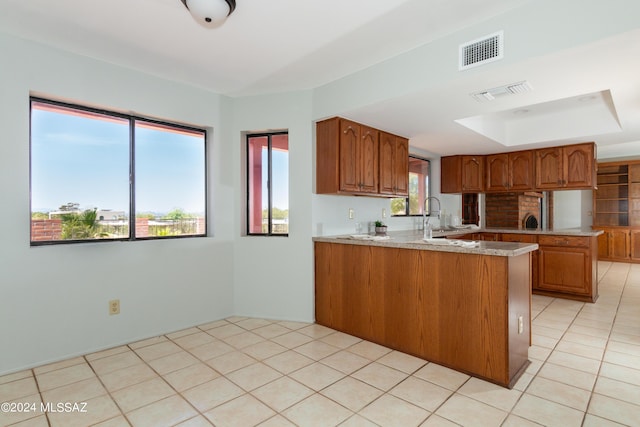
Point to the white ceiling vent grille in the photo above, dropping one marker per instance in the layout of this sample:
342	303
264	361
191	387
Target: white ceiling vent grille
482	51
497	92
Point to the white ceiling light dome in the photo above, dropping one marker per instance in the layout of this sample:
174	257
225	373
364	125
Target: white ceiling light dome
210	11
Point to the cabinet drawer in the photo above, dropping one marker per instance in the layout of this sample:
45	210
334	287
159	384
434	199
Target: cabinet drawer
582	242
522	238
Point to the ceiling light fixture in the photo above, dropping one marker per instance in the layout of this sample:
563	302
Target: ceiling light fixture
210	11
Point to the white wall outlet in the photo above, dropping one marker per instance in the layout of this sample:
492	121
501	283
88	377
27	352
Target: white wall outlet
114	306
384	212
520	324
351	213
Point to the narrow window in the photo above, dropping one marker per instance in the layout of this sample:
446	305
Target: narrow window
419	190
91	169
268	184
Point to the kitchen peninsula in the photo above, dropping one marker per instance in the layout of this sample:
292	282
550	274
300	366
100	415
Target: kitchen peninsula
465	306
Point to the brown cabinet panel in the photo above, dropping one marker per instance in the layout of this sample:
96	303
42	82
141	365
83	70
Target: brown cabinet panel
369	160
394	165
349	156
472	174
462	174
451	174
520	238
510	171
635	245
570	166
401	167
619	244
461	311
348	160
549	168
566	270
521	168
579	164
551	240
497	172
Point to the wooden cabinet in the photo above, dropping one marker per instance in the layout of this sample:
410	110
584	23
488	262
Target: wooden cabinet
567	266
555	168
567	167
509	171
526	238
355	159
462	174
635	245
614	244
358	158
394	165
474	317
616	207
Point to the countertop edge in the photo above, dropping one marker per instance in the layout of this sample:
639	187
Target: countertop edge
505	249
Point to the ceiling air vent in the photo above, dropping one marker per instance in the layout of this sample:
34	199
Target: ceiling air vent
497	92
482	51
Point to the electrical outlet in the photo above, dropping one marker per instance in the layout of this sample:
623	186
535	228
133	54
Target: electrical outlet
114	306
520	324
351	213
384	212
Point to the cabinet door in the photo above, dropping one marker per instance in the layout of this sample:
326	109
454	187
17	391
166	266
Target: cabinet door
472	174
635	245
603	245
619	244
521	170
549	169
368	160
497	172
401	166
349	156
564	269
579	166
387	160
451	174
394	165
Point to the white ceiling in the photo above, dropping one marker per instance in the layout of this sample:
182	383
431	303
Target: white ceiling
286	45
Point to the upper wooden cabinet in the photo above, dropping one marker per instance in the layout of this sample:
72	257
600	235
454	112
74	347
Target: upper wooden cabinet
394	165
462	174
556	168
346	158
571	166
509	171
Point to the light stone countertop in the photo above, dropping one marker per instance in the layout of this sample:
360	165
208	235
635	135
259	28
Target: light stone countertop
413	240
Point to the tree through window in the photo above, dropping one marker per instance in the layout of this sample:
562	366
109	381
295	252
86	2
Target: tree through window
90	169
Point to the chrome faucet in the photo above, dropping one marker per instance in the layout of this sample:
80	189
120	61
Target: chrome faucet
428	231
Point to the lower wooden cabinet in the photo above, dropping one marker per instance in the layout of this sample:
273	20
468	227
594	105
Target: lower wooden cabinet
635	245
469	312
619	244
564	266
567	265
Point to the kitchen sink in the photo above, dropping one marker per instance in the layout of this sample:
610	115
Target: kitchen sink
446	242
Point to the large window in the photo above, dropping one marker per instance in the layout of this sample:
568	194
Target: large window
419	190
268	184
91	169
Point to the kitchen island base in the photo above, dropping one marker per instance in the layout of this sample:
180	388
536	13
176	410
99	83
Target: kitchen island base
468	312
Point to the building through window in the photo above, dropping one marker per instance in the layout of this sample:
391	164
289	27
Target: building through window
91	169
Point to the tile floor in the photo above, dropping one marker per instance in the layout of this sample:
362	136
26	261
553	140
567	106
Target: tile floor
243	372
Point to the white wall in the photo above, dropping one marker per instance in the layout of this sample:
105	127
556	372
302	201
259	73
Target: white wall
274	275
53	301
572	209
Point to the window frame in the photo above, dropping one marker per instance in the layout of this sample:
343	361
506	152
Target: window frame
427	194
247	150
132	120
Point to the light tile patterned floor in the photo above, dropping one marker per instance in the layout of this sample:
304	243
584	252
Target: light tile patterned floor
244	372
